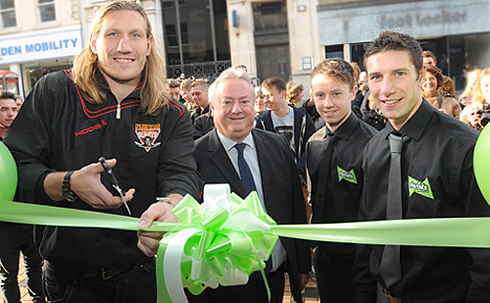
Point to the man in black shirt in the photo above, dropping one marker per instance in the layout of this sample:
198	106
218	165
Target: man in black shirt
333	163
437	181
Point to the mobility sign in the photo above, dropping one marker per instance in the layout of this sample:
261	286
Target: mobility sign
41	47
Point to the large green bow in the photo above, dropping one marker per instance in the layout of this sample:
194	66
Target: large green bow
232	242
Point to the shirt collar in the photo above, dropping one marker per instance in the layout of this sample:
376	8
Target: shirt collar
345	130
416	125
228	143
105	86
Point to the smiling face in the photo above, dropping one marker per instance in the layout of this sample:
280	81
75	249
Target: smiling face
430	83
395	85
233	109
332	99
122	47
8	112
274	99
200	96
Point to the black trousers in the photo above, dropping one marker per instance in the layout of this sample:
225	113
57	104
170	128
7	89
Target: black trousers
16	239
253	291
334	277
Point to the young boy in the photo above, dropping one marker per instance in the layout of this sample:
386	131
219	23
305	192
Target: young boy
334	167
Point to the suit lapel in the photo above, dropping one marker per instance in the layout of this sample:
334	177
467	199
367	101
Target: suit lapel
220	159
264	154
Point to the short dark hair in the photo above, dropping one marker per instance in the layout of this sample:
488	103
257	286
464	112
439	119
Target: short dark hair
336	68
200	82
5	94
186	84
173	83
389	40
429	54
275	81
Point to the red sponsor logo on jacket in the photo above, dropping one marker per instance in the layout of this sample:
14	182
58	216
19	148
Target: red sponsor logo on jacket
91	128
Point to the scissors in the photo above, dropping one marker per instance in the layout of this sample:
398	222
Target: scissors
115	184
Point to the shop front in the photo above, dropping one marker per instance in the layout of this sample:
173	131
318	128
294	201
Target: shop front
35	54
457	31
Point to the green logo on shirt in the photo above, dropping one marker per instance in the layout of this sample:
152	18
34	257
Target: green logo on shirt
347	175
421	188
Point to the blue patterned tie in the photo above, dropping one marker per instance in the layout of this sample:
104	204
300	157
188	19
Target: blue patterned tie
245	173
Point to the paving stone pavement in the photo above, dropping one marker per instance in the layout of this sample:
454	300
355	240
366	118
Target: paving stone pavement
310	294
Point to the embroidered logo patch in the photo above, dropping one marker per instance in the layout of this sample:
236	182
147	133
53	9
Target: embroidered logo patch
421	188
147	135
349	176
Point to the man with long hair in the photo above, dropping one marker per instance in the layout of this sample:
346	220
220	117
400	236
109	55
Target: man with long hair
113	104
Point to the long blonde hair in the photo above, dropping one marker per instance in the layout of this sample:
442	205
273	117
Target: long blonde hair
153	92
478	98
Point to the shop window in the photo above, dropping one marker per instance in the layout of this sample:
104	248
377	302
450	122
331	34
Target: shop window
46	10
7	12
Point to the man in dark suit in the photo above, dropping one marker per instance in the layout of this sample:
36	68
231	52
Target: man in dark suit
273	169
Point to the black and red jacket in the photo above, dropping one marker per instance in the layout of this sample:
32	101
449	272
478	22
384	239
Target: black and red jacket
57	130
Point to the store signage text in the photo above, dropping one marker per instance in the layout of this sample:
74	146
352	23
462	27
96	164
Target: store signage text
40	47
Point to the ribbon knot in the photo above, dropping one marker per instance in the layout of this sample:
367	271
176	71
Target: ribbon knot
233	241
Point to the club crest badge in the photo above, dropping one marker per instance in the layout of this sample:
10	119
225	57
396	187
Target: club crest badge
147	135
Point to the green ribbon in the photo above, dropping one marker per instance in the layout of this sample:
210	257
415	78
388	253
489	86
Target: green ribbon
226	238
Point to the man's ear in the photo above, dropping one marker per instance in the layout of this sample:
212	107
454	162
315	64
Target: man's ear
93	43
211	109
283	94
354	92
422	73
150	43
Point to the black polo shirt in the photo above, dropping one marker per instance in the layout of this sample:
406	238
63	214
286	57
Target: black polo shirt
438	181
343	188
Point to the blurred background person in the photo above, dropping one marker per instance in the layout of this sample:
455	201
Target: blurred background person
8	111
359	97
373	116
17	238
477	115
199	91
466	97
259	101
19	100
294	92
447	86
173	87
309	106
432	93
185	93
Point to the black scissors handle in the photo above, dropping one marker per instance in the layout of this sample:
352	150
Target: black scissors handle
108	170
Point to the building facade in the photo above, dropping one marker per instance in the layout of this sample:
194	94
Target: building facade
38	37
457	31
275	38
284	38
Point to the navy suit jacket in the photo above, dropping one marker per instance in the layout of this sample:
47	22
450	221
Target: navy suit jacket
281	186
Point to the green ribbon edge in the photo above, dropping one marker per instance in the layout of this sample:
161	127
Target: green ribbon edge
448	232
444	232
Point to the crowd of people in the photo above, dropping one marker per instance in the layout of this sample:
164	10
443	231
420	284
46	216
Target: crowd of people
353	151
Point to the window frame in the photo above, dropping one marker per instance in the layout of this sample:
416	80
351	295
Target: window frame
41	6
7	10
